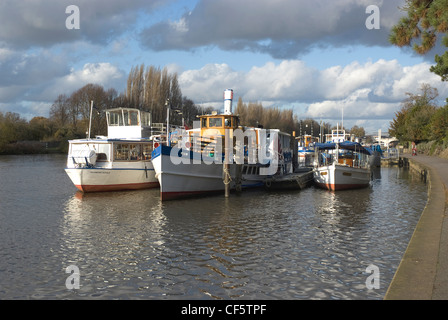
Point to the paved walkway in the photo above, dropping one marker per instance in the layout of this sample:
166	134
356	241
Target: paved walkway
423	271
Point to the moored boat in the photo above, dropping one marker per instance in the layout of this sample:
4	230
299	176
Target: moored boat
120	161
341	165
219	153
305	151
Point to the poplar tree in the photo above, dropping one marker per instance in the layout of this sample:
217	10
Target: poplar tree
153	89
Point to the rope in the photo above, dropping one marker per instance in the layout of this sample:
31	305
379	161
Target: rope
226	175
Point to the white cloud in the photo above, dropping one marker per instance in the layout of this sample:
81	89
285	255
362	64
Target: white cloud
369	91
99	73
201	85
37	93
104	74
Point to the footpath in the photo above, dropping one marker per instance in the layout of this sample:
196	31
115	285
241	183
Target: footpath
423	271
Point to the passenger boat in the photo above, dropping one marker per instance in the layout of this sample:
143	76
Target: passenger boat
219	152
120	161
305	151
341	165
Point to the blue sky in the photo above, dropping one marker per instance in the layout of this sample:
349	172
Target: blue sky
316	57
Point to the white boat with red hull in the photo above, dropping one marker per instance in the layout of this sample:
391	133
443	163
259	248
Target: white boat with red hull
120	161
341	165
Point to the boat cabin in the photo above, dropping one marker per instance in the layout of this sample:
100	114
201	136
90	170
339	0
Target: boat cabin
128	140
337	135
128	122
215	124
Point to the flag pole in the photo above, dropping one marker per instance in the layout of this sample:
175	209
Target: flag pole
90	121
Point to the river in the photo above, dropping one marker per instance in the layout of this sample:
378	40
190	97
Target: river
308	244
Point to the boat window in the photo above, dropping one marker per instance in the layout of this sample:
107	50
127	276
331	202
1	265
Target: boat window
125	118
147	149
103	148
227	122
127	152
78	147
204	123
101	157
215	122
146	119
135	152
121	152
115	119
133	118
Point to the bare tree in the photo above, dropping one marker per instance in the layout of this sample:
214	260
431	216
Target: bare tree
59	111
150	89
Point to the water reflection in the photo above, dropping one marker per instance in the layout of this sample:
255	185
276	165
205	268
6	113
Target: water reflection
310	244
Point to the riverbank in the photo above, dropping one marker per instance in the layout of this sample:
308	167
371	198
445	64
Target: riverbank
423	271
33	147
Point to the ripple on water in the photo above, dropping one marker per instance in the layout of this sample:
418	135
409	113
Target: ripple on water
311	244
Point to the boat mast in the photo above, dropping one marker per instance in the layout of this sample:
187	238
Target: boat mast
90	120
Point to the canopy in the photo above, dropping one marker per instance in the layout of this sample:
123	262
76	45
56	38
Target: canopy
347	145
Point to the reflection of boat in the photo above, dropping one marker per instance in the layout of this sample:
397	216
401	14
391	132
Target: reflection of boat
120	161
376	153
197	165
341	166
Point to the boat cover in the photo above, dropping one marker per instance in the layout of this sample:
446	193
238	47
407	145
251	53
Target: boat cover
347	145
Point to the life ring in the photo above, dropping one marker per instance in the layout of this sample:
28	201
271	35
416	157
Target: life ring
156	145
268	183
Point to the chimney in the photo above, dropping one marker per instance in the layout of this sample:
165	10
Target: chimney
228	97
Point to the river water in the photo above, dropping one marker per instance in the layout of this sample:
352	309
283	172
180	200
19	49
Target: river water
309	244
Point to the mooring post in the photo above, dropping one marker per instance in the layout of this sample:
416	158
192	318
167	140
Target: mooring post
226	165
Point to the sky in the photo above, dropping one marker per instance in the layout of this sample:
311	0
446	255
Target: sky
315	57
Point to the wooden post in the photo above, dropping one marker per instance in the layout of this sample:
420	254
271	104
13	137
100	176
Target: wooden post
226	165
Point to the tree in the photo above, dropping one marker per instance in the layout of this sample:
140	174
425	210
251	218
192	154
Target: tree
397	127
40	128
149	89
59	111
189	111
359	132
80	104
12	129
441	67
425	20
439	124
413	121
